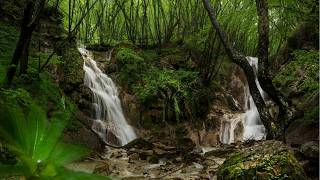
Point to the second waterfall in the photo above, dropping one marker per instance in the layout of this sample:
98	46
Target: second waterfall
109	121
247	125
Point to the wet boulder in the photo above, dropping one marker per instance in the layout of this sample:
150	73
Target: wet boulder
310	158
311	150
264	160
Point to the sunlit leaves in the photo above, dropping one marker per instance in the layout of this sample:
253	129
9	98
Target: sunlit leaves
36	142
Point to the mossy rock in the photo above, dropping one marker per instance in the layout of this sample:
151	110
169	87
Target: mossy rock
300	76
265	160
130	66
128	56
72	66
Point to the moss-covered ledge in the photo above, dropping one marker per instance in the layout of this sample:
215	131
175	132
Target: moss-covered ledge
265	160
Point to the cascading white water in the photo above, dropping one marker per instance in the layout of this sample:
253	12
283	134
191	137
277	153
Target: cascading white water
253	127
249	126
109	117
231	129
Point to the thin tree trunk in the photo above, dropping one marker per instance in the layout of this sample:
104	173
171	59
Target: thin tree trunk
241	60
25	53
31	16
76	27
57	4
285	111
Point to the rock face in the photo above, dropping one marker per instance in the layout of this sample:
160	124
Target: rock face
308	155
237	85
264	160
69	76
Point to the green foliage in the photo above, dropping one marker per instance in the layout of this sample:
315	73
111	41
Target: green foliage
199	40
33	139
128	56
301	74
178	91
156	22
131	66
174	87
45	93
25	131
2	74
71	63
311	117
8	39
311	66
158	81
149	55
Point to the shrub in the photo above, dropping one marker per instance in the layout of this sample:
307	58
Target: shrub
35	141
301	74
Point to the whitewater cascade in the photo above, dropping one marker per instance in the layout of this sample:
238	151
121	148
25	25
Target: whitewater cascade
109	120
231	129
253	127
246	125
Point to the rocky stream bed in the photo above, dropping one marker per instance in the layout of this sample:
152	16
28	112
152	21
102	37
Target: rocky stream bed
142	159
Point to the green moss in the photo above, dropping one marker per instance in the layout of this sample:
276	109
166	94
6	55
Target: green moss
8	38
173	86
72	64
44	93
311	117
2	73
157	81
149	55
300	75
131	66
170	51
176	93
128	56
198	40
15	96
269	160
31	88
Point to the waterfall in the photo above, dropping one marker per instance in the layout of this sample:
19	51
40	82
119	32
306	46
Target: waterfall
109	121
231	129
247	125
253	127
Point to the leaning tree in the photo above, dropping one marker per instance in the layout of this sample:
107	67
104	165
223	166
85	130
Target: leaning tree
275	127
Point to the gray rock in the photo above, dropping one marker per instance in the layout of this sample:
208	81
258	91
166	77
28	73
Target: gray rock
310	150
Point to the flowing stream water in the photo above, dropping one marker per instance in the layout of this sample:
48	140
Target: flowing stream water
109	120
253	127
244	126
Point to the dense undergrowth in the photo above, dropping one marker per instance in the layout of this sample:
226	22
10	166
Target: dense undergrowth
34	113
300	78
164	77
34	141
301	73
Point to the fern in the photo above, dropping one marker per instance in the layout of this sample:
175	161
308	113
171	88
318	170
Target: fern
36	143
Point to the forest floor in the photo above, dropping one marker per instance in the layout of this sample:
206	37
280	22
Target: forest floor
143	164
117	163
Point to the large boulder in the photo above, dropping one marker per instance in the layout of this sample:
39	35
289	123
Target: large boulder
264	160
309	157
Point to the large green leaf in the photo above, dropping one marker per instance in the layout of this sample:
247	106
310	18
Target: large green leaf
12	170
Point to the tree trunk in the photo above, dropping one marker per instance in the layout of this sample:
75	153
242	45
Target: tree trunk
285	111
21	45
31	16
25	52
241	60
